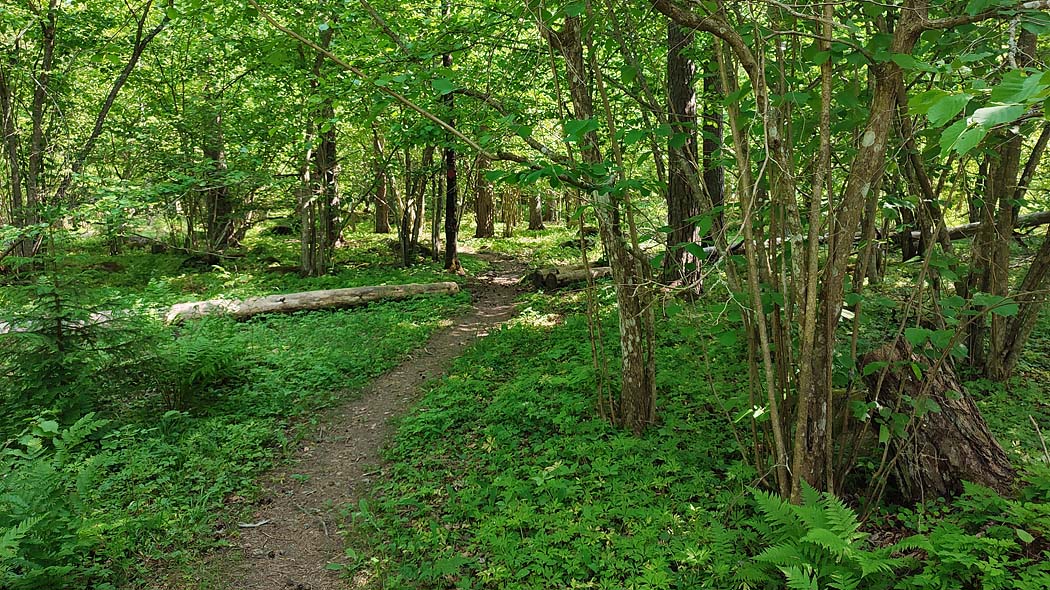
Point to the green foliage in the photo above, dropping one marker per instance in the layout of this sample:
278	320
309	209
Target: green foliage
47	531
815	545
198	359
148	486
505	477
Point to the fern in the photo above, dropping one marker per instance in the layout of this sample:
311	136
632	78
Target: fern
816	545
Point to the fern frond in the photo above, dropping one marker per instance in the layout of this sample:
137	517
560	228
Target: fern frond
779	514
799	578
782	554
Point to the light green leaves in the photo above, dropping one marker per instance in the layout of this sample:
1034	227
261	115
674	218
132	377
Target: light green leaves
575	129
1008	101
443	86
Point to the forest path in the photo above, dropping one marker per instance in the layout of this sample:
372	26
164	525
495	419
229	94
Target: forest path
338	464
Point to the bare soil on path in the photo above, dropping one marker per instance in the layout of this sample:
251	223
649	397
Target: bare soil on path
294	531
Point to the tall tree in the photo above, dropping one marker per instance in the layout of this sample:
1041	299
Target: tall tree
681	265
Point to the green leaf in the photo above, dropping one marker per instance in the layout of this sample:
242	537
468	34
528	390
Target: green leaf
443	86
975	7
917	336
921	103
1025	536
874	367
575	8
947	108
628	74
575	129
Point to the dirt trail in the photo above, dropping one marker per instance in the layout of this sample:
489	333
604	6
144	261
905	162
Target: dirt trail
300	502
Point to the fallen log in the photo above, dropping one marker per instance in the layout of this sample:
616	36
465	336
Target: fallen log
968	230
944	446
561	276
304	301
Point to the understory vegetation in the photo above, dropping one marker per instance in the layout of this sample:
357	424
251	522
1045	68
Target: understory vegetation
504	476
152	436
788	266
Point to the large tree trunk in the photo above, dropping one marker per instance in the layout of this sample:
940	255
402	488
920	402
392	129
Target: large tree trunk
942	447
536	211
681	266
305	301
484	209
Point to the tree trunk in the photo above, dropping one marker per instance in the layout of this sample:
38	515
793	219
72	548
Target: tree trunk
217	201
511	198
382	206
484	210
451	181
11	150
319	211
536	211
944	446
714	173
636	407
681	266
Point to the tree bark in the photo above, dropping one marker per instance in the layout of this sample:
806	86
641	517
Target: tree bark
636	407
451	181
304	301
511	198
484	210
536	211
942	448
681	266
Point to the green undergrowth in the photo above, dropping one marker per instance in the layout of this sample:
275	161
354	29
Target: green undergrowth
132	447
540	248
505	476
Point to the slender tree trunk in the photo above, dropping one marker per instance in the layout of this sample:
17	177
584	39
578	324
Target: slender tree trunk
511	199
714	172
35	180
320	211
218	202
636	407
451	181
382	206
11	149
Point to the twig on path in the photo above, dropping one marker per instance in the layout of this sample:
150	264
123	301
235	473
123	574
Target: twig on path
253	525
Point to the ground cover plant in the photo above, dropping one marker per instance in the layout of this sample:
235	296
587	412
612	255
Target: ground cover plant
504	476
182	419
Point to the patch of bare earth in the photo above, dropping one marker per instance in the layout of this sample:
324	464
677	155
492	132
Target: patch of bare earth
293	535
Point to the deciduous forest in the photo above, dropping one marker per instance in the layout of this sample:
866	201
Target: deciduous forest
582	294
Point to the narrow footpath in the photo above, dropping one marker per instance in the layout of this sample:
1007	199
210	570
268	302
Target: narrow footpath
294	534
